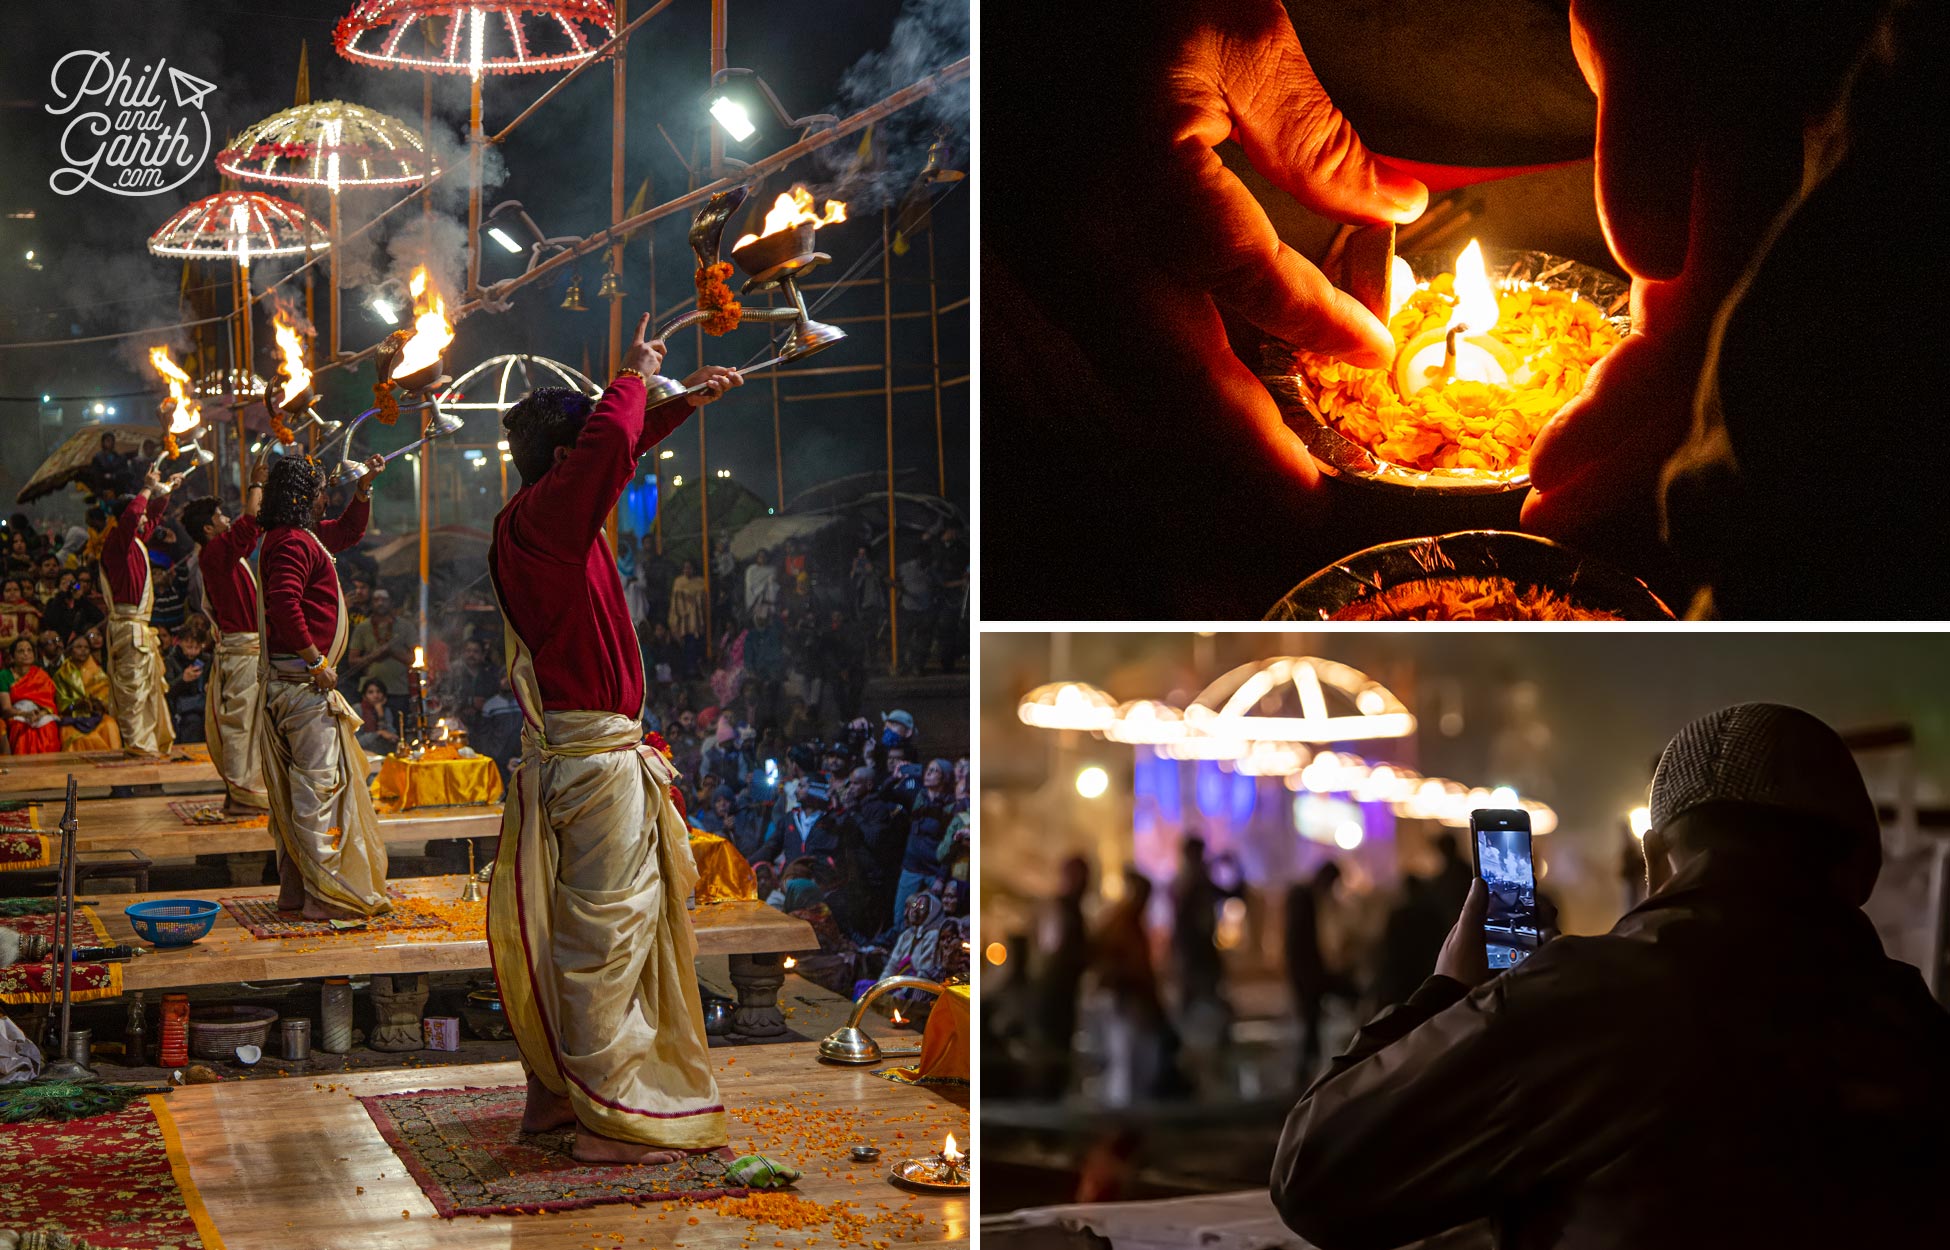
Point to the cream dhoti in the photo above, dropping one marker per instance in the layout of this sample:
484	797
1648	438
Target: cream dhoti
138	687
590	934
314	771
230	708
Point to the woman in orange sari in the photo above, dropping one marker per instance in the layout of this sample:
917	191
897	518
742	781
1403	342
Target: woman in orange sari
33	728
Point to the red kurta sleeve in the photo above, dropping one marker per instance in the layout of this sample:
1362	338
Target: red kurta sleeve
348	528
571	502
285	571
237	542
115	547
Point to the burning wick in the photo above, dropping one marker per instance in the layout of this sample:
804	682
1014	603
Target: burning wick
1466	349
949	1154
790	962
898	1017
420	658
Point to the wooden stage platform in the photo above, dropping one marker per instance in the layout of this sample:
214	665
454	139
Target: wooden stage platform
146	824
185	770
280	1164
228	953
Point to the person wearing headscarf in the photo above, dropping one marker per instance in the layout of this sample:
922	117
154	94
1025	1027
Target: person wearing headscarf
139	685
592	943
331	857
33	722
233	696
1737	1062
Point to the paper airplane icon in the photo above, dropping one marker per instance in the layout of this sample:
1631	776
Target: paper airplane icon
189	89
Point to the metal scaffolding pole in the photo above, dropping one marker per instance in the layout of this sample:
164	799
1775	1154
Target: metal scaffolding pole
887	369
934	338
620	79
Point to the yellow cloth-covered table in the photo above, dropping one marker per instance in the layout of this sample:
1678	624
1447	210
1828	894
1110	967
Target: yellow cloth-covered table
944	1046
440	778
723	876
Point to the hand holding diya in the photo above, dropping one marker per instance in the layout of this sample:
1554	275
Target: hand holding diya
1479	369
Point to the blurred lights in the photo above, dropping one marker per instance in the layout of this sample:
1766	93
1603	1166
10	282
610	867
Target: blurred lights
1347	835
1092	782
1503	796
996	953
1640	819
1231	931
99	410
666	454
1067	705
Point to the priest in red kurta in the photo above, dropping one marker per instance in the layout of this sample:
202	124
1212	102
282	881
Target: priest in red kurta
587	920
331	859
138	687
231	701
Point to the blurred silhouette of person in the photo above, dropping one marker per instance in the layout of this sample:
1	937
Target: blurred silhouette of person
1412	937
1062	957
1451	884
1136	1034
1307	970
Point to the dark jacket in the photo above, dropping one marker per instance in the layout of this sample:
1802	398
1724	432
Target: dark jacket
1729	1066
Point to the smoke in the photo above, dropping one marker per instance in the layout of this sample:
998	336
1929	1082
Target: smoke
928	35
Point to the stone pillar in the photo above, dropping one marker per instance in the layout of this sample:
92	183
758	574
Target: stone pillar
247	867
757	978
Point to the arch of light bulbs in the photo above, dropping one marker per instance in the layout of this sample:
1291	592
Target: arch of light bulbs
1222	726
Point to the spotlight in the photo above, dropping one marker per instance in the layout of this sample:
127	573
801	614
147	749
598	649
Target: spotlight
733	116
724	472
1092	782
501	445
99	410
111	410
501	236
665	454
385	309
730	102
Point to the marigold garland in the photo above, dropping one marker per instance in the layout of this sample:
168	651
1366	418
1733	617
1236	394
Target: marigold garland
1466	425
383	391
1468	599
715	297
169	446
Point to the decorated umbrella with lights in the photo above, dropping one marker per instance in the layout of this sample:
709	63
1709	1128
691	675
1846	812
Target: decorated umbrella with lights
330	144
498	381
474	38
239	226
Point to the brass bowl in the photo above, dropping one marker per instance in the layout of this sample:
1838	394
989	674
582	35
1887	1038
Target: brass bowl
767	253
928	1174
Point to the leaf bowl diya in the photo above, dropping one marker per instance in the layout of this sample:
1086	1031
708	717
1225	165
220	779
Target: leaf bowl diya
1325	402
1471	575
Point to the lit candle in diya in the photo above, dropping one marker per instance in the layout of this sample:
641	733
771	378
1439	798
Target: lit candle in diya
1466	349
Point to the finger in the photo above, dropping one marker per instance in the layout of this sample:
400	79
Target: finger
642	327
1293	134
1647	132
1476	905
1226	247
655	345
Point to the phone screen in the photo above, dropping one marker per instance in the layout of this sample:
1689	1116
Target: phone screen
1501	844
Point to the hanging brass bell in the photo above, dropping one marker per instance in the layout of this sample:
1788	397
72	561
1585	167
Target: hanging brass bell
611	286
572	302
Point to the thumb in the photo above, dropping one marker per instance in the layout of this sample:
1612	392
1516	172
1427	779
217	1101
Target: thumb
1476	907
1293	134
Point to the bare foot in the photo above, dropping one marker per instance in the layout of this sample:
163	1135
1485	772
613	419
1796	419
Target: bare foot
545	1110
318	909
590	1148
291	884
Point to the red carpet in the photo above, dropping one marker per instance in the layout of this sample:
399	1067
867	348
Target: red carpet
110	1180
466	1149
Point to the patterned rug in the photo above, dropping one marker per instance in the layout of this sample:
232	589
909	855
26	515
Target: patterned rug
260	914
21	852
114	1180
20	814
210	812
117	759
44	923
466	1148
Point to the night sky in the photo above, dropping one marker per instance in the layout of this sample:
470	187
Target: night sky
97	277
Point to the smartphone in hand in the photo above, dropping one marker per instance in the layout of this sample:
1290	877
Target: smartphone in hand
1500	848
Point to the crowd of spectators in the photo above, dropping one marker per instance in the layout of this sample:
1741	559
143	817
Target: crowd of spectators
845	821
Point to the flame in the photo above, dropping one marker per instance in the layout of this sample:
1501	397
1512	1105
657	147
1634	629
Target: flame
297	378
898	1017
184	412
794	208
1476	305
419	657
790	962
949	1151
1401	285
431	329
